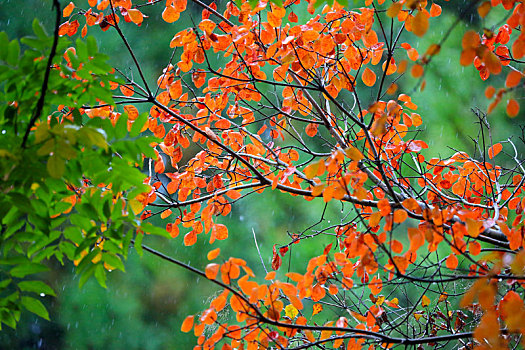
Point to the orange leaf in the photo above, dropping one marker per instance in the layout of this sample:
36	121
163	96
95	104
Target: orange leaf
470	40
384	207
425	301
220	231
233	194
492	62
180	5
473	227
165	214
369	77
435	10
513	108
411	204
170	14
375	285
394	9
190	238
490	90
513	79
452	261
494	150
207	26
400	216
273	20
211	271
311	129
270	276
474	248
318	292
420	24
187	325
416	238
484	9
354	154
127	90
136	16
396	246
175	90
68	9
212	254
417	71
131	111
316	308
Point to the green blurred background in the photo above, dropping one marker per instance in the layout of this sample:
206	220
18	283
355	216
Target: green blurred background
144	307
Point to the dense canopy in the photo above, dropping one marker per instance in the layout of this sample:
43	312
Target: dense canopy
319	102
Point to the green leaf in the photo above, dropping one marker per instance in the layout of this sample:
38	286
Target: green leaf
138	243
41	133
138	124
47	148
121	128
87	210
154	230
94	137
100	275
36	287
13	52
4	283
85	275
7	318
82	51
56	166
91	46
113	260
39	30
23	270
68	249
64	150
4	40
35	306
34	43
21	202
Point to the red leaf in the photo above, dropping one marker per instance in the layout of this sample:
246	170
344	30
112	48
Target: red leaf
276	260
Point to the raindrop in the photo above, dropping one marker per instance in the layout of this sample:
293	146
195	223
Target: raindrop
42	295
3	132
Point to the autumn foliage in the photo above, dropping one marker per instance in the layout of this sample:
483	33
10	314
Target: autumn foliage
302	98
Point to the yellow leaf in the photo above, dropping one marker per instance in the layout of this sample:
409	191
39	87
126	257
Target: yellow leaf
291	311
136	206
425	301
393	303
354	154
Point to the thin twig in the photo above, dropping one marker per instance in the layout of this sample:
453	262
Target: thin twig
40	104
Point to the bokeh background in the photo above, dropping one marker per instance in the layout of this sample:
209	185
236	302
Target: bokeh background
144	307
